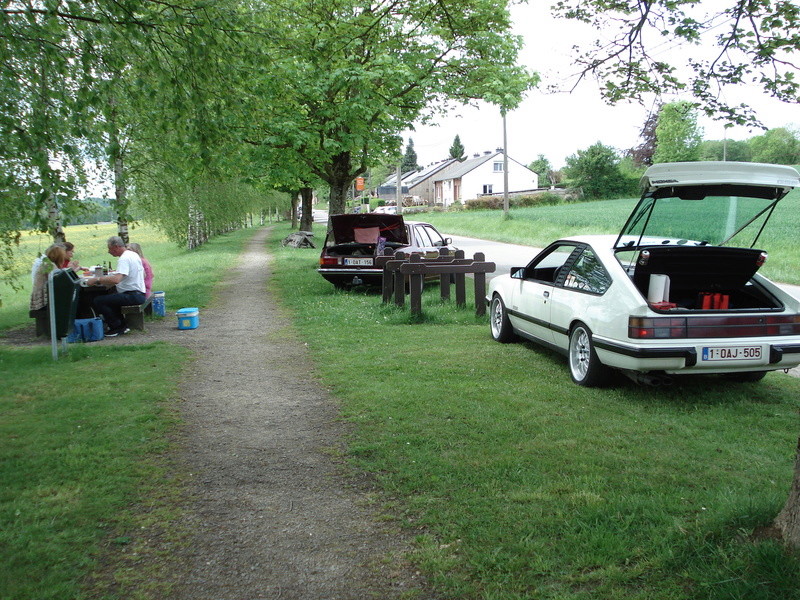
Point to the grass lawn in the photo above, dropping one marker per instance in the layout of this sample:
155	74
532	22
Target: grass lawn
515	482
542	225
518	484
83	462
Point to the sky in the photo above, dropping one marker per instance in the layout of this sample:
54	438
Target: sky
558	125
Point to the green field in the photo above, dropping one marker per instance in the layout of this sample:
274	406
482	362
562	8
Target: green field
538	226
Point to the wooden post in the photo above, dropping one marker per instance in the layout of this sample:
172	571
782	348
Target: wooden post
444	278
480	287
461	291
415	287
387	280
399	283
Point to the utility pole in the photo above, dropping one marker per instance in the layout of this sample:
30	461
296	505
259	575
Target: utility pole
505	166
725	144
398	190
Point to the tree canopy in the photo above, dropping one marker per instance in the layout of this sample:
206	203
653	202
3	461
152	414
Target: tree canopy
541	166
347	77
457	149
192	106
678	136
734	43
409	158
596	171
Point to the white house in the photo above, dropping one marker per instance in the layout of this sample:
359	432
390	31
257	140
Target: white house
483	174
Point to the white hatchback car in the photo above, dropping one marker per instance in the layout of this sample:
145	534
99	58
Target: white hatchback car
668	295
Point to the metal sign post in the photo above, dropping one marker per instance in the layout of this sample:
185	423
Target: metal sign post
62	288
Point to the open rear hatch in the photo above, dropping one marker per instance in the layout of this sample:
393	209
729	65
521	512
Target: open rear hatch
674	242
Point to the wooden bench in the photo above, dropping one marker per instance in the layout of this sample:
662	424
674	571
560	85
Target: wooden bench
42	317
134	314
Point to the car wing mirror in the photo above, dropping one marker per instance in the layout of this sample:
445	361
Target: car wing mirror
448	241
517	272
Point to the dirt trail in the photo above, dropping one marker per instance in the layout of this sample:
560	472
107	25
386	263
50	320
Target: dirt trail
274	517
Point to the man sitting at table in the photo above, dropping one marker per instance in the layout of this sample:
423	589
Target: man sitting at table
129	280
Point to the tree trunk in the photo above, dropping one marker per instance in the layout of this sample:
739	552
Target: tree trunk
788	520
294	195
340	175
54	223
115	155
307	216
120	194
54	219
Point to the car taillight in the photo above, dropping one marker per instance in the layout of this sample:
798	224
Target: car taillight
646	328
643	328
762	258
327	261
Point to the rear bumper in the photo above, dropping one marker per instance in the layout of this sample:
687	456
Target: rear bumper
775	355
352	275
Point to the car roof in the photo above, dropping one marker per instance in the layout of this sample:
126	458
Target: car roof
719	172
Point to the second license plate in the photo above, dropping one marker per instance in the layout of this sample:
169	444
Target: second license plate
358	262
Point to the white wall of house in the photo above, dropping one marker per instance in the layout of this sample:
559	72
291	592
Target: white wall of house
488	178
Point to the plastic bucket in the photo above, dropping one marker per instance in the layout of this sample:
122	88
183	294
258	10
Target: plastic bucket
188	318
159	304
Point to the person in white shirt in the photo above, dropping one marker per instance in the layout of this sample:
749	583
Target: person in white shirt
129	282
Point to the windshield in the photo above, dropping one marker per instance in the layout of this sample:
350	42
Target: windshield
686	215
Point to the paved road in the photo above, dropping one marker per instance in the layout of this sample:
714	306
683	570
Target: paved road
504	255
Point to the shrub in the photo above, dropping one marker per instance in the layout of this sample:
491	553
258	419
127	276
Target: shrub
540	199
485	203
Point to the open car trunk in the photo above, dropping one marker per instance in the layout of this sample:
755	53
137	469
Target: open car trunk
365	234
702	278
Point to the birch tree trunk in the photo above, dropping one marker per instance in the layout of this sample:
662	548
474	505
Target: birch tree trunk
120	189
788	520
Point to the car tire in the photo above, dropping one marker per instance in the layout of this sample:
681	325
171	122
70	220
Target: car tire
584	367
748	377
498	320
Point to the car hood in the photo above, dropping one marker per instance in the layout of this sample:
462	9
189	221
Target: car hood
392	227
706	203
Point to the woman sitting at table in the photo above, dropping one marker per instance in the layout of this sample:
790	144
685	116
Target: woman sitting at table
70	262
148	270
56	256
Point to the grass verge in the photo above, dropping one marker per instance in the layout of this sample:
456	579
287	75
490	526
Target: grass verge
519	484
78	451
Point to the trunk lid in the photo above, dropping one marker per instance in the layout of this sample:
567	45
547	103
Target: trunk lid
361	228
706	203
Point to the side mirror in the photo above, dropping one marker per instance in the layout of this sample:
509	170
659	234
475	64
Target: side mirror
517	272
448	241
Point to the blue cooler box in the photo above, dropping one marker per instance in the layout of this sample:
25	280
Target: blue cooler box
159	306
188	318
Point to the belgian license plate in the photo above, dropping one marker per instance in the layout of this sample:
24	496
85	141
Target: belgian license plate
358	262
732	353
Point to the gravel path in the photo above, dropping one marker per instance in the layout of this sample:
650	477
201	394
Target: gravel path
274	517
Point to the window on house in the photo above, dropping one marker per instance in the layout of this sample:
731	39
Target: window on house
498	167
487	189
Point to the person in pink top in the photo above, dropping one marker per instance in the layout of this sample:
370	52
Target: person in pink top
148	270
